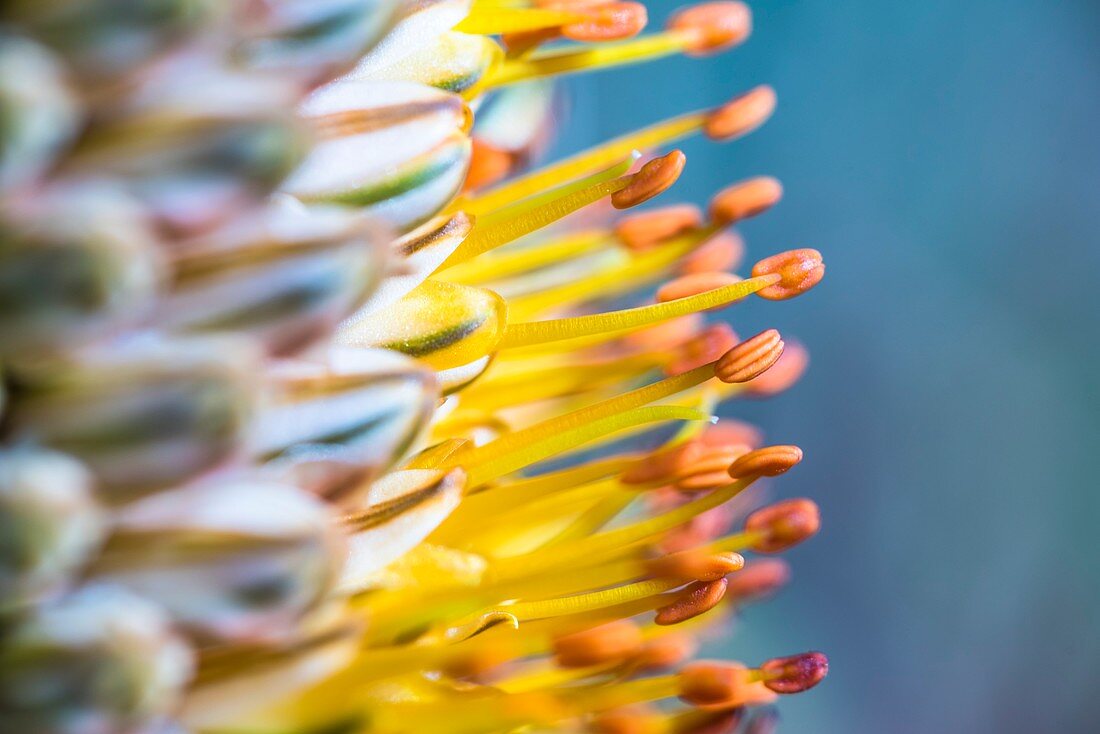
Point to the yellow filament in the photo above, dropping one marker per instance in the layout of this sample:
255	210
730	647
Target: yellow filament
573	59
584	163
491	236
494	267
494	21
540	332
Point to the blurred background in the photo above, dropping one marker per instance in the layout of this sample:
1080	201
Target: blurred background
945	156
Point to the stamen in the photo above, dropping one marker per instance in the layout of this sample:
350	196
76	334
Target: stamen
506	264
783	525
795	673
706	683
542	332
628	721
722	253
745	200
799	271
694	284
767	462
783	374
700	597
713	27
609	643
750	358
488	165
732	120
759	579
710	469
696	565
645	230
653	178
496	21
708	346
666	651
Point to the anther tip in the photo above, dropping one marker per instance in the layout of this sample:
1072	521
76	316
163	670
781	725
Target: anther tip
712	27
783	525
750	358
745	199
652	179
796	673
769	461
608	22
697	598
799	271
741	115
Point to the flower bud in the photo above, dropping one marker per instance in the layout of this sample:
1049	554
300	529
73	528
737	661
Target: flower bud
796	673
453	62
331	425
236	560
398	149
75	265
783	525
97	660
49	521
40	113
770	461
713	27
750	358
287	276
608	643
799	271
143	414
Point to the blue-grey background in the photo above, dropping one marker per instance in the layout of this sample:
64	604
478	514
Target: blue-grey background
945	156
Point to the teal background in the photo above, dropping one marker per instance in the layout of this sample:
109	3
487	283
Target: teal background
945	156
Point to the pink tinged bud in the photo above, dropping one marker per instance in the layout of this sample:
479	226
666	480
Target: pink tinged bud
723	252
750	358
783	525
696	599
770	461
761	578
741	115
703	349
799	271
648	229
786	371
745	200
796	673
652	179
713	27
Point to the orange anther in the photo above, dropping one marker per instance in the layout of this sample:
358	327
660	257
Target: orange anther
608	22
711	469
783	525
706	347
645	230
763	577
741	115
730	432
799	270
694	284
723	252
790	366
713	27
696	599
745	199
652	179
750	358
665	651
632	720
769	461
607	643
488	164
710	683
795	673
695	565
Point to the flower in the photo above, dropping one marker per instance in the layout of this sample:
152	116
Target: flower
323	410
